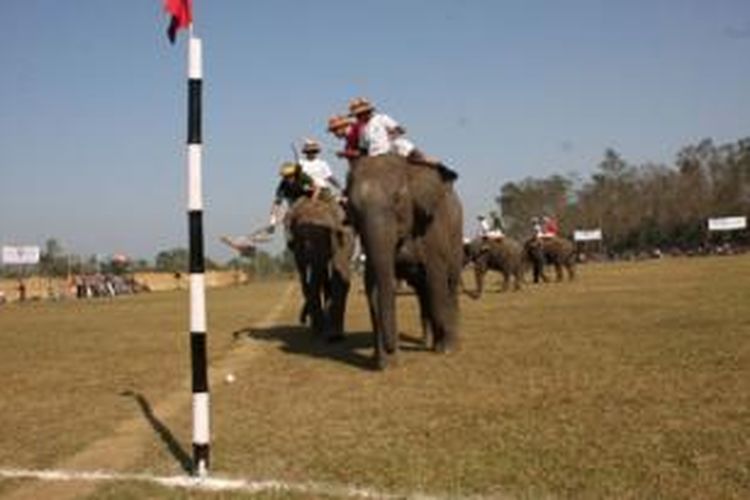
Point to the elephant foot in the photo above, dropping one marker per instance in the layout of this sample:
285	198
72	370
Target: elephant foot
384	361
303	314
391	346
444	347
381	362
427	342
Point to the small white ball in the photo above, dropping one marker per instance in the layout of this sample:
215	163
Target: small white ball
229	378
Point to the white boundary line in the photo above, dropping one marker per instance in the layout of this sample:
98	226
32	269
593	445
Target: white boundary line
205	484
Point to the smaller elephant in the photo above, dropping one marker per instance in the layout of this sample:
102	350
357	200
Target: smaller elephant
559	252
503	255
322	249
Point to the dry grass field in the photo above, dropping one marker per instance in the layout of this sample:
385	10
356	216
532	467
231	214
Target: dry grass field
632	382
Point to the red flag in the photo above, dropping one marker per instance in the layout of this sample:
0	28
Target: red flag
182	16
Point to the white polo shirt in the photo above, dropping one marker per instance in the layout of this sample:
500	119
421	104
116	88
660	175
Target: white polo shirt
377	140
319	170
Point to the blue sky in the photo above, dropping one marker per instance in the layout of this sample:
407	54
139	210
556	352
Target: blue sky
92	99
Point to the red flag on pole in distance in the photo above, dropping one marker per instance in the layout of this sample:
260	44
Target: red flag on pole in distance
182	16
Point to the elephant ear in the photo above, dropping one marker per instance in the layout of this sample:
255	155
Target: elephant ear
426	188
343	249
418	185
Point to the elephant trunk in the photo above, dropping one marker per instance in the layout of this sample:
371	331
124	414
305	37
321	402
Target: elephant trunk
379	246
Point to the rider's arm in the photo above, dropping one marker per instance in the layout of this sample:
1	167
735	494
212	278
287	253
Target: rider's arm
393	127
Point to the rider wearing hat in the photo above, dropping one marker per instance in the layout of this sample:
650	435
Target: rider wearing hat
490	227
316	167
346	128
293	185
380	134
549	227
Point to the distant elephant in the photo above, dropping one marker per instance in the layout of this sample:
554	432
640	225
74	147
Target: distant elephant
559	252
322	248
410	223
504	255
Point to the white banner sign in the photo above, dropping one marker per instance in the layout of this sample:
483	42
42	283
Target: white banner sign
727	223
20	255
587	234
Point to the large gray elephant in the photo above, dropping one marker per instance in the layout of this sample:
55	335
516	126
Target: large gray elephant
322	248
504	255
554	250
410	224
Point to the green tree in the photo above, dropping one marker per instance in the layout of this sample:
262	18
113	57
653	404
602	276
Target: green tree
174	260
52	259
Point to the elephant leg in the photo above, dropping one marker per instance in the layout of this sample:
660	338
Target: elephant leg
303	313
373	289
479	272
537	267
372	302
558	271
571	269
339	290
506	280
314	304
517	279
442	290
463	288
301	273
424	313
542	275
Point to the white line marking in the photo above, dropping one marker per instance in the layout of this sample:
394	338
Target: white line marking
204	484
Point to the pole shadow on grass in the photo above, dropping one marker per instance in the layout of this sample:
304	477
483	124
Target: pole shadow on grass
298	340
166	436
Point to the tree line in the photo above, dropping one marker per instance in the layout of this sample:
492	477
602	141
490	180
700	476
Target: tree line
640	207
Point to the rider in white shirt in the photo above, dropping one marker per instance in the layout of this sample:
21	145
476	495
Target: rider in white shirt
381	134
317	168
490	229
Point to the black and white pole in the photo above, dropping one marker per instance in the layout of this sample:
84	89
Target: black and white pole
201	423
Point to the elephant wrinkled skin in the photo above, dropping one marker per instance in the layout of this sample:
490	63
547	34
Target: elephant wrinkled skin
410	223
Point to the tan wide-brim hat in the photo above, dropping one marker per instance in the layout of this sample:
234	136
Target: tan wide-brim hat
287	169
338	122
310	146
360	105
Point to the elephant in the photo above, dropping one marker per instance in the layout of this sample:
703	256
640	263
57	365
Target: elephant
559	252
322	247
503	255
410	224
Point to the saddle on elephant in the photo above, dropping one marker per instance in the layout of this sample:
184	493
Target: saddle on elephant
323	209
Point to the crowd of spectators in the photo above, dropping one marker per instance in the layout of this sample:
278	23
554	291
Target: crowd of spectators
105	285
